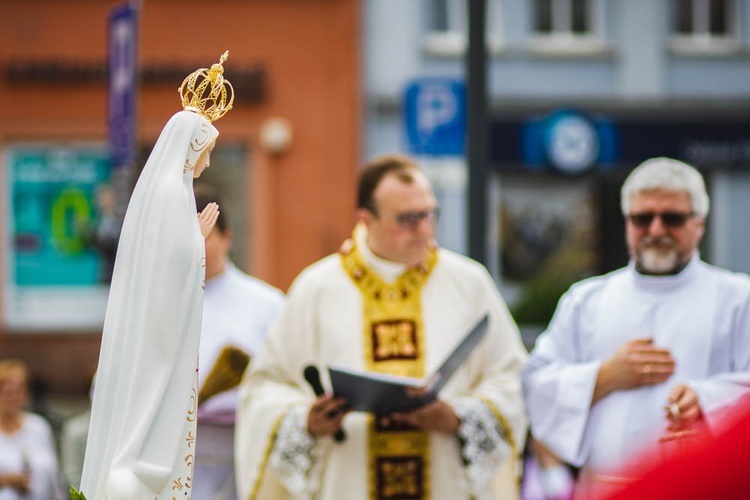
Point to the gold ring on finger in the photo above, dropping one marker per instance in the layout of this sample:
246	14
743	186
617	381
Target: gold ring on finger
674	410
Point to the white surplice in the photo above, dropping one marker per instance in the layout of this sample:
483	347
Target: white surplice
238	310
702	315
322	325
141	442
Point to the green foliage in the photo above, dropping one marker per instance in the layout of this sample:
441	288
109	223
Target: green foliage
75	494
540	294
539	299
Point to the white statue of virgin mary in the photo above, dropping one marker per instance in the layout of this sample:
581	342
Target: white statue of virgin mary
141	439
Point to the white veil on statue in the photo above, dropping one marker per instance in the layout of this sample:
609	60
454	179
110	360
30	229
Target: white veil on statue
142	433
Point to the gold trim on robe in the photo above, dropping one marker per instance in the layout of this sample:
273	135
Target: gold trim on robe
393	340
507	433
267	453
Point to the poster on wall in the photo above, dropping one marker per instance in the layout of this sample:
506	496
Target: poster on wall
548	240
60	237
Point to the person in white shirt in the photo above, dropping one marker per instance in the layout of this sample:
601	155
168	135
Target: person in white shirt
28	459
646	351
238	310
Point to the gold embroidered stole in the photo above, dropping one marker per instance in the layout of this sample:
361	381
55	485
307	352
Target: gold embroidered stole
225	374
394	343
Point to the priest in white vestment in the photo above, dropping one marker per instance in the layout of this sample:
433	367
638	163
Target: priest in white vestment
659	347
238	311
141	442
393	303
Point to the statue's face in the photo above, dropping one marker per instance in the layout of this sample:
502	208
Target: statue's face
204	162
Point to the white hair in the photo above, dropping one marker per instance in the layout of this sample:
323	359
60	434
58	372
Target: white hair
667	174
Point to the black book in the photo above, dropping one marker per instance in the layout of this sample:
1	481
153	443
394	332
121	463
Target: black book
383	394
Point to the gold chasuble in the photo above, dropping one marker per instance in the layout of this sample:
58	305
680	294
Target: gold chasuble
393	338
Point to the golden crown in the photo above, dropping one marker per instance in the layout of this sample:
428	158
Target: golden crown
206	92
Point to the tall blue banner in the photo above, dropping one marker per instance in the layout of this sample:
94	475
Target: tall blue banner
123	84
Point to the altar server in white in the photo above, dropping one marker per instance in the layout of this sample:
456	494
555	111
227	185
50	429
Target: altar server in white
390	302
141	442
238	310
656	347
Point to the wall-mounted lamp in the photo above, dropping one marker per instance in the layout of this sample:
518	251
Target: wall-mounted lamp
276	135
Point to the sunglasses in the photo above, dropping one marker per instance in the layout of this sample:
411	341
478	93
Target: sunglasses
411	220
671	220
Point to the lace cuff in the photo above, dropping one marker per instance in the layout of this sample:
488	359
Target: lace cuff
292	457
484	445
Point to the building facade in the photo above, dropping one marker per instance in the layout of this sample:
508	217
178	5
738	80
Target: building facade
580	92
286	158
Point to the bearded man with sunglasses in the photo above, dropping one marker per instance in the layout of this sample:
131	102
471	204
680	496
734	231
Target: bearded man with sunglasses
643	355
389	302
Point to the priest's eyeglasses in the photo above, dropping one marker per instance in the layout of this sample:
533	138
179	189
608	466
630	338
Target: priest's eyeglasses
410	220
672	220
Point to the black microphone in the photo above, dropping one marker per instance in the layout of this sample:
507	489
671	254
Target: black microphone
313	378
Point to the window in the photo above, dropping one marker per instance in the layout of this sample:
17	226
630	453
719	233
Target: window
447	27
567	27
563	17
704	26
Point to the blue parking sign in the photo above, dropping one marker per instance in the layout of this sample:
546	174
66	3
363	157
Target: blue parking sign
435	117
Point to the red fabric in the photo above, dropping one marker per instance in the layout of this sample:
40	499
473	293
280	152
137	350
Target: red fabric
713	468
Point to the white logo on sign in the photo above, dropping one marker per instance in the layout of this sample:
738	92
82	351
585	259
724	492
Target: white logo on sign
573	146
436	106
123	67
